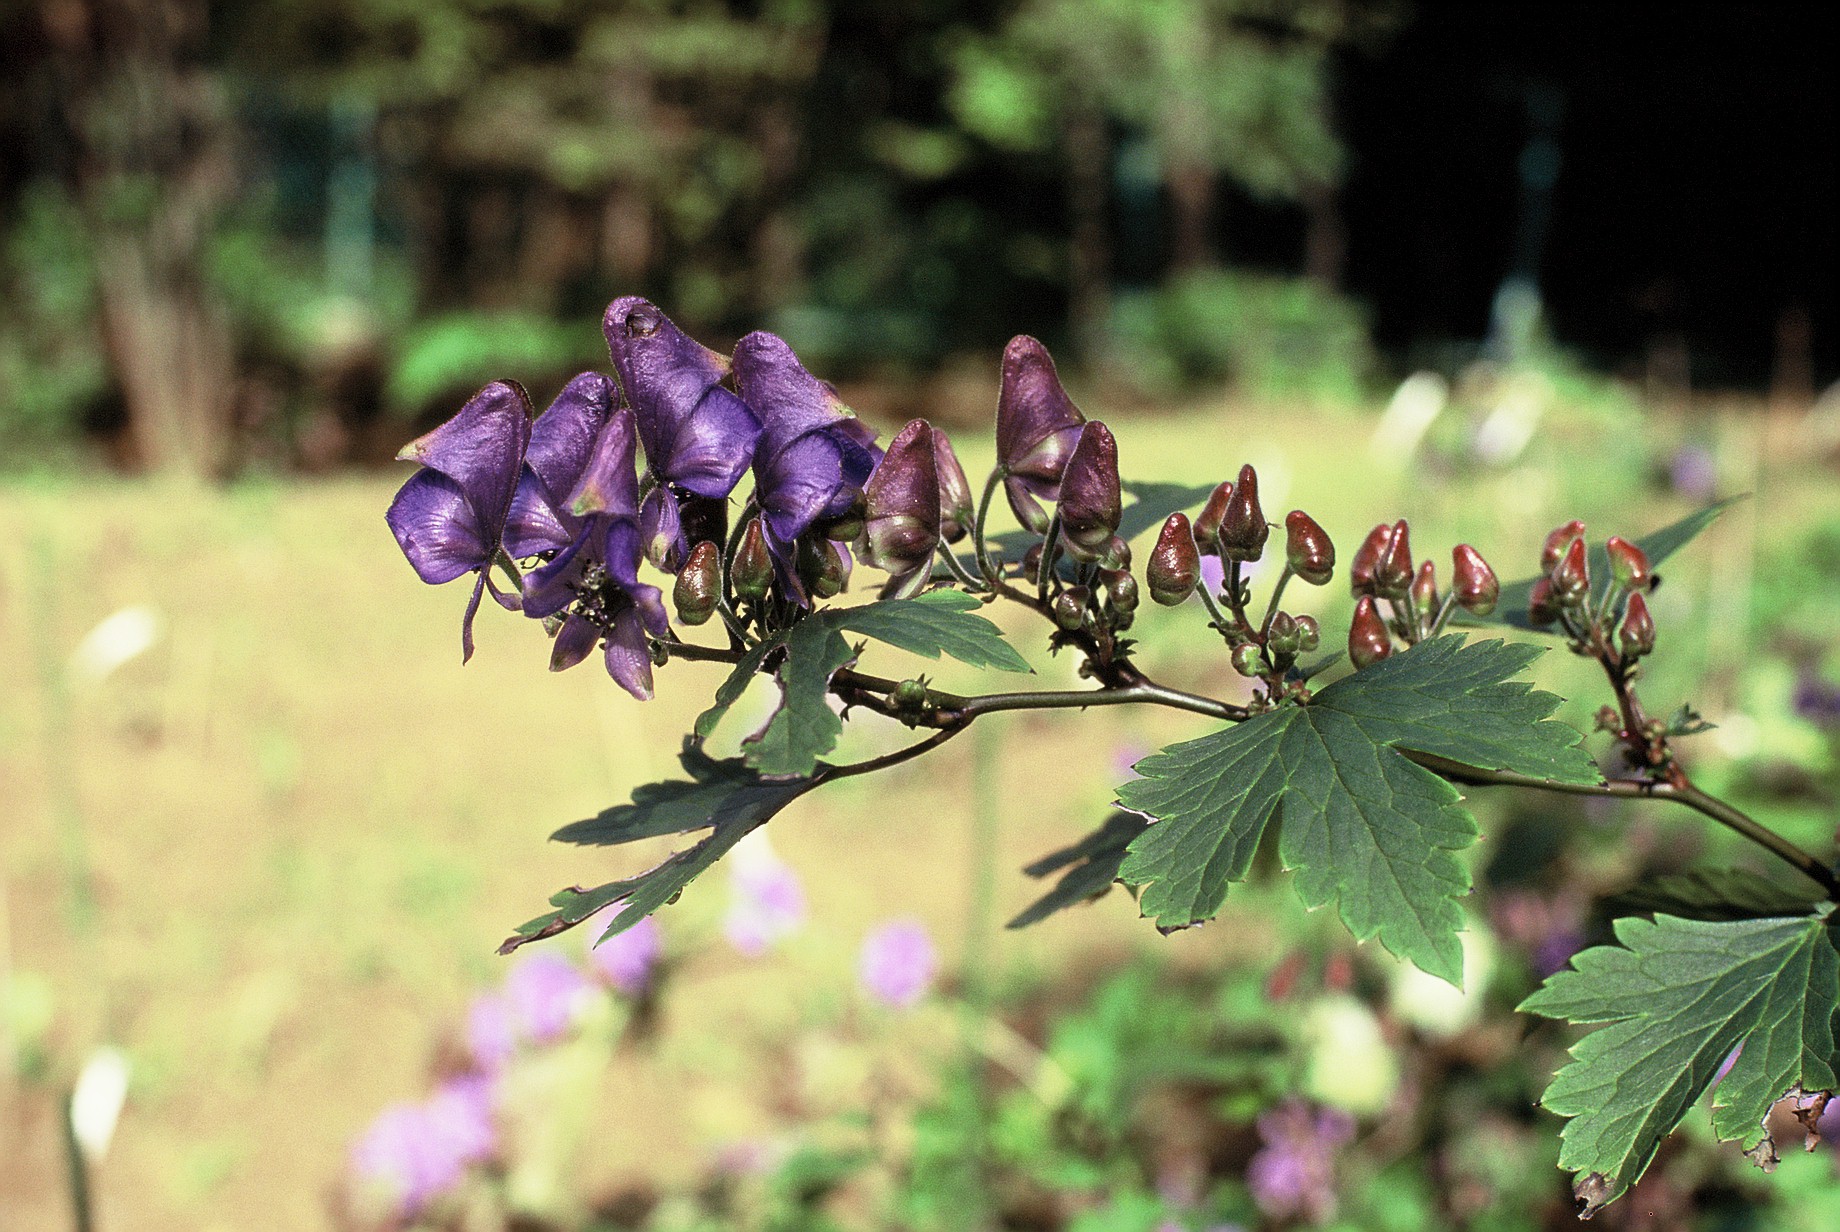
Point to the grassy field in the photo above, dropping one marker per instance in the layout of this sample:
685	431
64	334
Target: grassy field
308	826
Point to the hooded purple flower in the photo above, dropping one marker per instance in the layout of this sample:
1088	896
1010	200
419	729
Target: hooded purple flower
955	502
1037	428
901	526
812	459
596	573
898	963
697	434
561	443
449	518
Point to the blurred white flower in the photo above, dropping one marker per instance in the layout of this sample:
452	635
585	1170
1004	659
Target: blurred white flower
96	1101
117	639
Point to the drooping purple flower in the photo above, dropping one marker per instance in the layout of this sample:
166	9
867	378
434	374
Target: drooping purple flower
627	960
491	1032
697	434
596	574
767	902
901	525
898	963
546	994
812	459
1037	428
561	444
1294	1174
449	518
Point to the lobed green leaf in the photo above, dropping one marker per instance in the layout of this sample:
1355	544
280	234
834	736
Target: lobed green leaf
1091	864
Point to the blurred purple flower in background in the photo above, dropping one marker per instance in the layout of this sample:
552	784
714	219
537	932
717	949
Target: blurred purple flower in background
766	902
413	1153
546	994
1294	1174
491	1032
898	963
628	960
1816	699
1694	472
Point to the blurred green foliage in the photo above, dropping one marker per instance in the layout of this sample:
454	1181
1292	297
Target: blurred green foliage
53	369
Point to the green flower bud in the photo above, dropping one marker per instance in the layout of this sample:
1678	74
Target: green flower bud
751	572
1070	608
1246	659
1282	639
1309	634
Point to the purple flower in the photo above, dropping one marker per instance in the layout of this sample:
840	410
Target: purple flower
697	434
449	518
1294	1174
628	960
1037	428
414	1153
595	575
1816	699
898	963
1694	472
766	903
1091	501
812	458
546	993
901	526
491	1032
561	445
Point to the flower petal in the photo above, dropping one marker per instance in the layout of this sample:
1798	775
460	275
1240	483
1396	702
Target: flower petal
561	443
610	484
694	435
574	642
436	527
629	661
799	483
481	449
1037	423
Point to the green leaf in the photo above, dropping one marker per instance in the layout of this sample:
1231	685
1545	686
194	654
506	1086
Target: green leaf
1679	996
1091	864
723	796
730	690
1359	822
938	622
804	728
1716	894
1658	545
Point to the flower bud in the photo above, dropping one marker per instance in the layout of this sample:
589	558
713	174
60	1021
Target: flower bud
1557	542
1242	530
699	584
1309	634
1070	608
1475	584
1282	639
1542	608
909	695
1122	588
852	523
751	572
1031	562
1246	659
1115	555
956	507
1091	502
661	531
1571	577
1368	639
1361	569
1637	634
1628	563
1308	549
1174	566
822	567
1424	588
1207	523
1393	569
901	501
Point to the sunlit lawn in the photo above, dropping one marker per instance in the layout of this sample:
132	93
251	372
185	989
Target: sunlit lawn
309	825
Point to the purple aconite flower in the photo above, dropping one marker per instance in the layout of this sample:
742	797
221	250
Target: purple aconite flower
898	963
546	994
812	459
697	434
595	576
1294	1174
561	445
767	902
628	960
901	525
449	518
1037	428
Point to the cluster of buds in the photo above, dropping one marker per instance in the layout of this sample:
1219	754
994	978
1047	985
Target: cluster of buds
1384	573
1611	621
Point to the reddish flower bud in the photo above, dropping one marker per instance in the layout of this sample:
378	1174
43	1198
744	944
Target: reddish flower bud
1175	563
1070	607
1571	577
1091	502
1368	638
1475	584
1246	659
1307	547
1207	523
1116	554
822	567
1309	634
1361	569
901	526
1424	588
1282	639
1242	530
1542	608
1122	588
1037	427
1637	634
1393	570
956	507
1628	563
1031	562
1557	542
751	572
699	584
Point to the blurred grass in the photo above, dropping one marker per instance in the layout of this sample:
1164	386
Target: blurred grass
310	826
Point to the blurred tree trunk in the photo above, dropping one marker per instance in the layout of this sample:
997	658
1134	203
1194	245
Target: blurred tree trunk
1191	208
1090	257
150	169
778	248
1325	239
